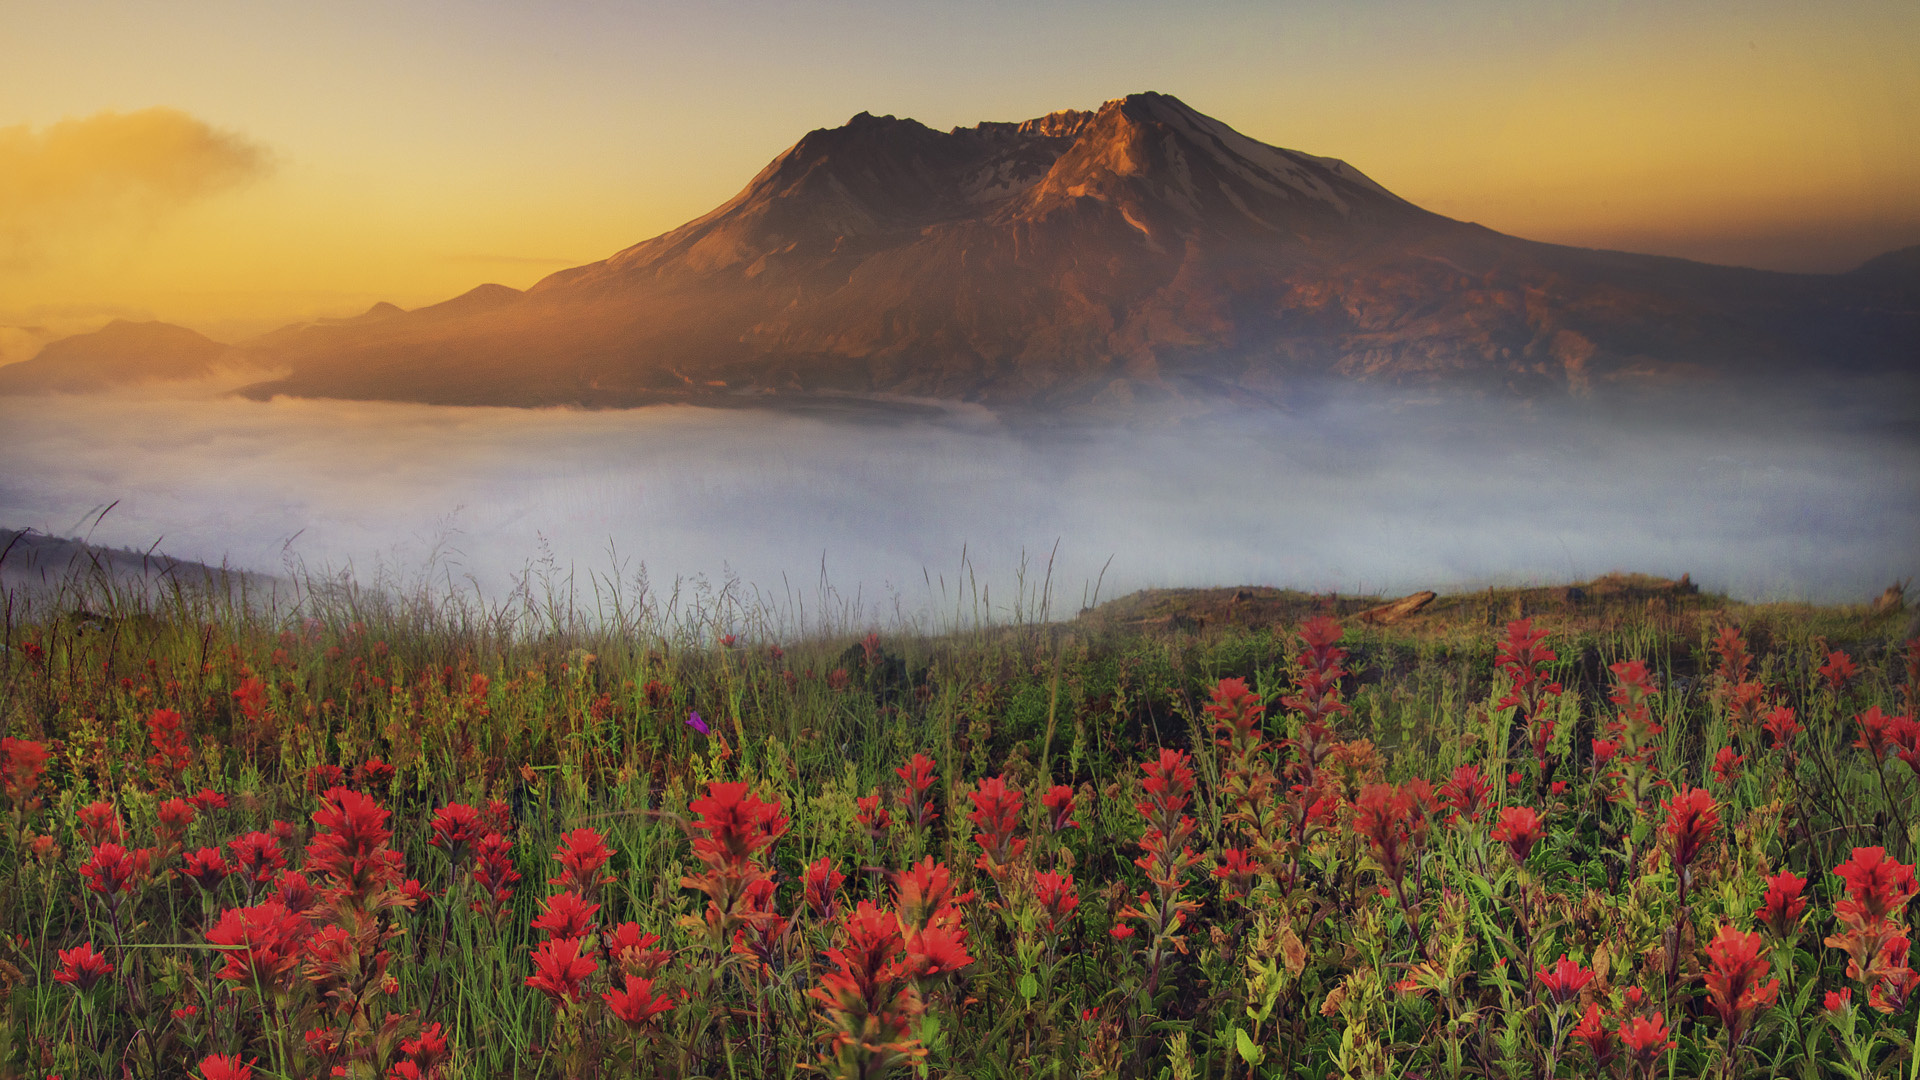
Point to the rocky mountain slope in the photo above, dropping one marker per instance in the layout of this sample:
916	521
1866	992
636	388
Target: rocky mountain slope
1126	258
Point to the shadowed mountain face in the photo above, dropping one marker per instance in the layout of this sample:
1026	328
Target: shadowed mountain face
121	353
1132	258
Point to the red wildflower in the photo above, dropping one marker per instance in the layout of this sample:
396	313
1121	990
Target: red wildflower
635	1006
22	764
582	854
1877	887
208	799
350	852
263	942
923	894
1318	699
1465	791
1726	766
257	855
1781	908
1056	895
1632	689
493	872
417	895
1838	669
1520	829
206	868
1237	871
81	967
375	773
109	870
919	777
736	824
1692	817
456	826
1745	703
1781	727
325	777
1734	661
100	823
1603	752
1120	932
252	698
1235	712
872	817
430	1050
822	887
225	1067
559	969
634	951
996	813
1838	1001
1168	788
175	817
1521	657
868	1002
171	751
1734	990
936	950
1564	980
1647	1038
295	891
1877	731
566	915
1597	1037
1059	804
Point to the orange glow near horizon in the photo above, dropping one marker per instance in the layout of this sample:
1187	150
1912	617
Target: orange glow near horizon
232	169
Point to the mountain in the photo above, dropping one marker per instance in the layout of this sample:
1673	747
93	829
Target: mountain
1123	258
118	354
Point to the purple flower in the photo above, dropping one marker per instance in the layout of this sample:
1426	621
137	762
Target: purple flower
697	724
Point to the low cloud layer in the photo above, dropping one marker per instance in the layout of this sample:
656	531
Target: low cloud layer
1787	498
108	173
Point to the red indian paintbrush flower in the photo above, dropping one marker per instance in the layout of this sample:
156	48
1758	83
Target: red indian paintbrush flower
109	870
100	823
1564	980
206	868
1236	711
22	764
1520	829
456	827
1876	733
919	777
1732	648
736	824
559	969
293	889
263	943
225	1067
868	1002
1238	871
582	854
872	817
1726	766
427	1052
923	894
1646	1039
937	950
1877	887
1838	669
635	1006
171	751
1596	1036
1781	727
633	951
996	813
1781	908
1057	897
566	915
1692	817
252	698
493	872
1873	933
822	887
81	967
257	855
350	853
1465	792
1735	967
1059	805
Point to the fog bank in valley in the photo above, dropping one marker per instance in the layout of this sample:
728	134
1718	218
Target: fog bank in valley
1358	490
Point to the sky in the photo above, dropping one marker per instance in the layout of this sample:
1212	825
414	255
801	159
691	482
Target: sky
233	166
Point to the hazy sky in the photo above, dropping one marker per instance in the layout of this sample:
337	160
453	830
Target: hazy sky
232	165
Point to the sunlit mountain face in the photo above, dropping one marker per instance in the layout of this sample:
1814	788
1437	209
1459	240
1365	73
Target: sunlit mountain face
1137	259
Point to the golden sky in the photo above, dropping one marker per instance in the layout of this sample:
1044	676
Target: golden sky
233	166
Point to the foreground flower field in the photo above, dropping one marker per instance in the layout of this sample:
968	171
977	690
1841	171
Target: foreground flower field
354	844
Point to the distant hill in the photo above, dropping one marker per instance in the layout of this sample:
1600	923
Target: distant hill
1122	258
119	354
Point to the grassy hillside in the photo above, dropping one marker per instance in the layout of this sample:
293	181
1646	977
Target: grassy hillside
1202	833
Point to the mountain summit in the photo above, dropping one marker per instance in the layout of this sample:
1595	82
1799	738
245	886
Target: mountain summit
1136	254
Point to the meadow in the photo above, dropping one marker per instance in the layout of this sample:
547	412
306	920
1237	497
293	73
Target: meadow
1527	833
